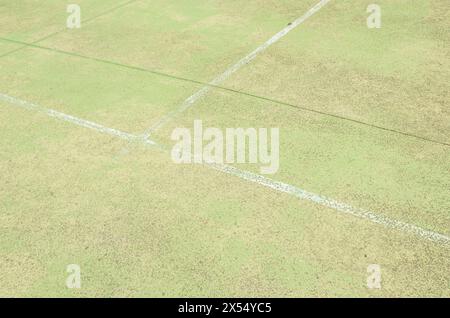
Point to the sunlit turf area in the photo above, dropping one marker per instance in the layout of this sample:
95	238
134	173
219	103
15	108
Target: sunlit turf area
87	177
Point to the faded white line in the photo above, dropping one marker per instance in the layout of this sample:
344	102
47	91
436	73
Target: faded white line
69	118
218	80
333	204
249	176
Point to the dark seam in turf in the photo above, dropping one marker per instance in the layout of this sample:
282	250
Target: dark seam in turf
137	68
62	30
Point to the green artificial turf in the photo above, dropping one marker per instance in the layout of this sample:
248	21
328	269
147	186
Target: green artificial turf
363	117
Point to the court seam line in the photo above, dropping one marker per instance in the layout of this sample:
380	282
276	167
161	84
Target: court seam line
302	108
278	186
234	68
65	29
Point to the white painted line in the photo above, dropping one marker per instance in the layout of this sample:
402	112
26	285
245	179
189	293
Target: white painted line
252	177
205	89
333	204
69	118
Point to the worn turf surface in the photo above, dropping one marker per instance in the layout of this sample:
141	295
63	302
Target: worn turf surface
363	117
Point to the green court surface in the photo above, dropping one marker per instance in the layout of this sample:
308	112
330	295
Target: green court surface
364	167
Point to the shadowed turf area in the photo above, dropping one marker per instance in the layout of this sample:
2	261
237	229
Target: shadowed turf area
363	117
